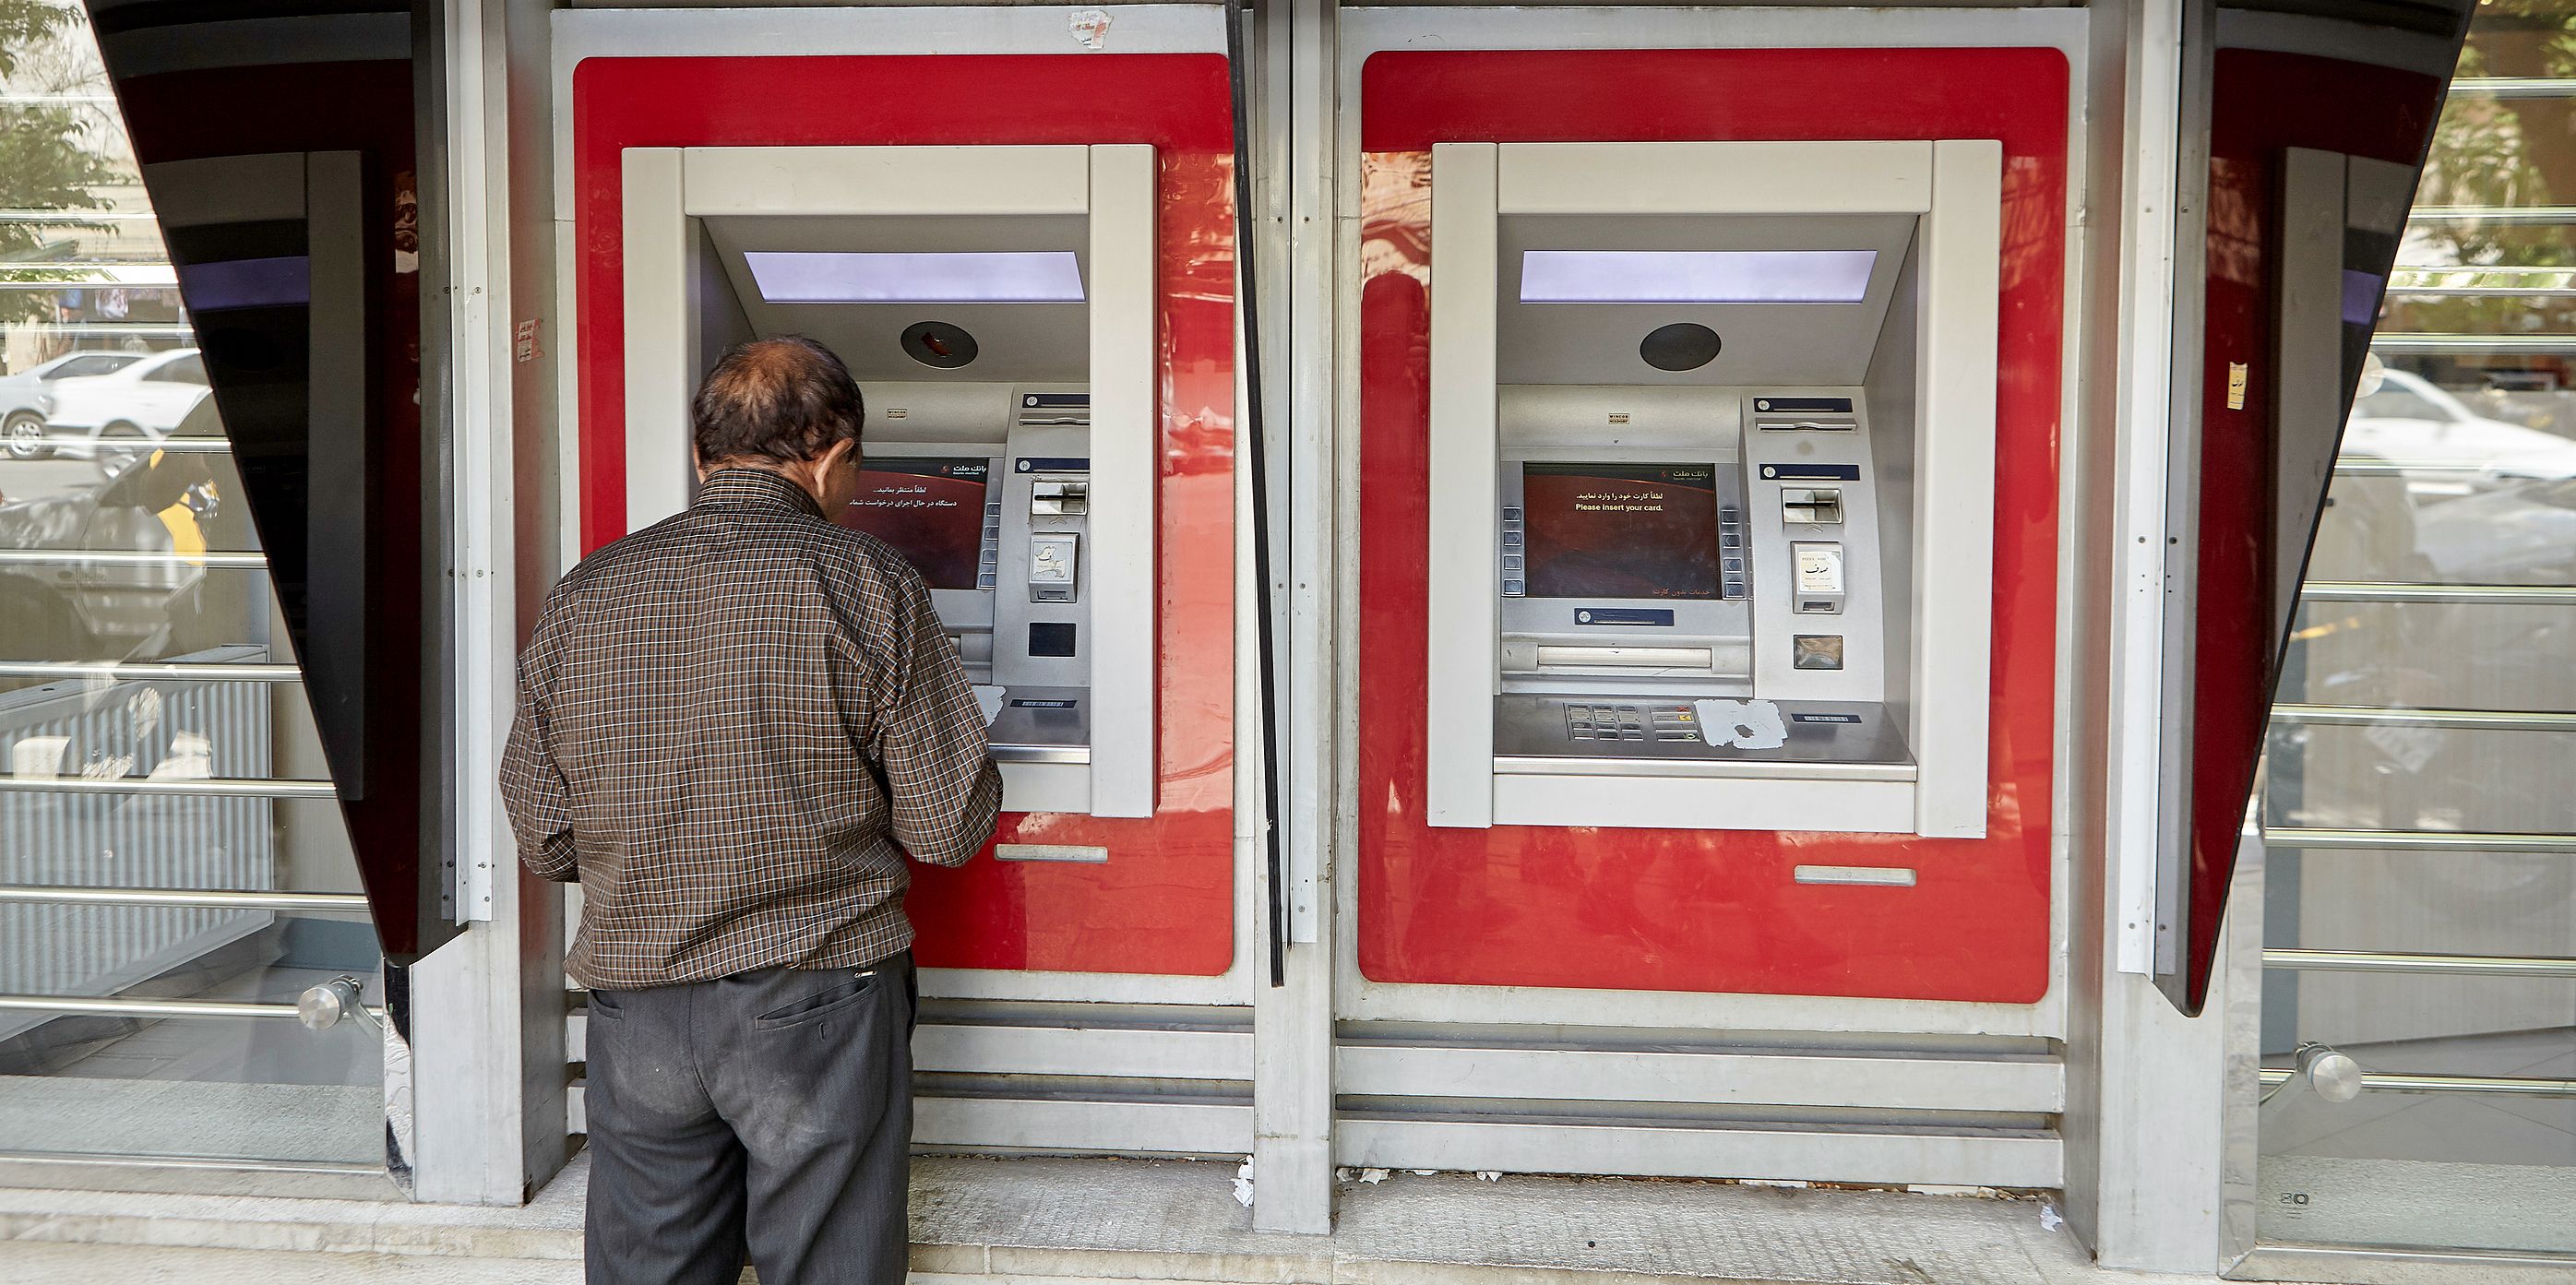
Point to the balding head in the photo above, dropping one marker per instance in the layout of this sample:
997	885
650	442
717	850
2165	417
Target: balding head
774	401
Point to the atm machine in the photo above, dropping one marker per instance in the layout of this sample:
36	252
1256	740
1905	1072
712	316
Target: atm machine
991	301
1712	470
1038	306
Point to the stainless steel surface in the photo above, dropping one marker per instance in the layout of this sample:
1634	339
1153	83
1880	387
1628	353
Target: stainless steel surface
133	671
2515	1085
2319	840
1532	729
170	785
217	898
2482	594
1043	725
126	558
2486	720
2368	961
322	1007
144	1007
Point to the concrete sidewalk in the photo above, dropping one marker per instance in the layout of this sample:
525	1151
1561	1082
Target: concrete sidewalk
1077	1222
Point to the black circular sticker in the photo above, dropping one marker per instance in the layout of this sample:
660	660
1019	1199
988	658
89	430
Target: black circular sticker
939	344
1683	345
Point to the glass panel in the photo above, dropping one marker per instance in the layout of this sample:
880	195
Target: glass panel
2430	655
2459	467
126	538
2415	777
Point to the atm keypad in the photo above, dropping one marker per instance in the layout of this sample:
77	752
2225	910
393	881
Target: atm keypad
1641	722
1515	583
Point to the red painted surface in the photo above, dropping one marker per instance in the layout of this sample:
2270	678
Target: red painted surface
362	107
2261	104
1706	910
1163	902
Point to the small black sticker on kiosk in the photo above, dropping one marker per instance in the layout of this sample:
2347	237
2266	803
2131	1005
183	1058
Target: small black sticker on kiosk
1042	704
1824	718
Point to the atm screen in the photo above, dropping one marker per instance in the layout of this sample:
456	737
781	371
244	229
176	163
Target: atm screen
930	509
1621	530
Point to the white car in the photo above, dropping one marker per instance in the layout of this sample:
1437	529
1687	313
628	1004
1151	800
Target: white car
27	398
130	409
2443	448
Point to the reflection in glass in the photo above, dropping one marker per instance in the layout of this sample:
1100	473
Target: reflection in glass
154	731
2410	716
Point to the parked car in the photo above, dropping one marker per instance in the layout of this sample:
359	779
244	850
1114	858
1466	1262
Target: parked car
2443	448
27	398
128	410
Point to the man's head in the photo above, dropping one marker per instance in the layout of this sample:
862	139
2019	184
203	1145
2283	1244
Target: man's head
786	405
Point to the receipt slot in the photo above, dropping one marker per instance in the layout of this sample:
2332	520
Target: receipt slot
1712	458
998	306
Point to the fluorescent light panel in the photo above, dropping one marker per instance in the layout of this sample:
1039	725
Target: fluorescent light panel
972	276
1696	276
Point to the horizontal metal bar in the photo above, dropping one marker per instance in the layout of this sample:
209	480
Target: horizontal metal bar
178	330
2517	214
2400	468
77	216
119	446
1998	1159
1822	1078
146	671
2406	343
87	265
2484	720
2293	959
2485	292
2522	1085
128	558
2306	839
2528	595
2513	87
206	898
214	785
108	1006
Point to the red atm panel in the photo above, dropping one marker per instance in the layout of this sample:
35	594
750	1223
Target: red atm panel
1713	911
1164	901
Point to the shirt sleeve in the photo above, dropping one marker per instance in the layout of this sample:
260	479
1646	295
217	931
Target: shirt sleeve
945	790
532	785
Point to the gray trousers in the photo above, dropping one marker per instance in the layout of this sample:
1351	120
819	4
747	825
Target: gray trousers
768	1111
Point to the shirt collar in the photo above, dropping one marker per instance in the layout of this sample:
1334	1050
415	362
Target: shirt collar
756	490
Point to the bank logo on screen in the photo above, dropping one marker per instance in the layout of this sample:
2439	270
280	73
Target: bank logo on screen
930	509
1621	530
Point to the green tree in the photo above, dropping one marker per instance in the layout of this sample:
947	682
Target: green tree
45	163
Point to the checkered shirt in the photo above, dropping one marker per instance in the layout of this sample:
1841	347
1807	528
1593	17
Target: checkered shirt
733	725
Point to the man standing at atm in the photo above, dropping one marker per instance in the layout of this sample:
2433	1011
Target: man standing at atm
734	726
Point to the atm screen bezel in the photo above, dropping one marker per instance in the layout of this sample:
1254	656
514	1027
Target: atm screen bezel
1695	620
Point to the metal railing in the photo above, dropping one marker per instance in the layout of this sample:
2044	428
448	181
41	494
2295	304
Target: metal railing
2301	959
2522	595
215	785
2397	1082
2482	720
142	671
195	898
128	558
2329	839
